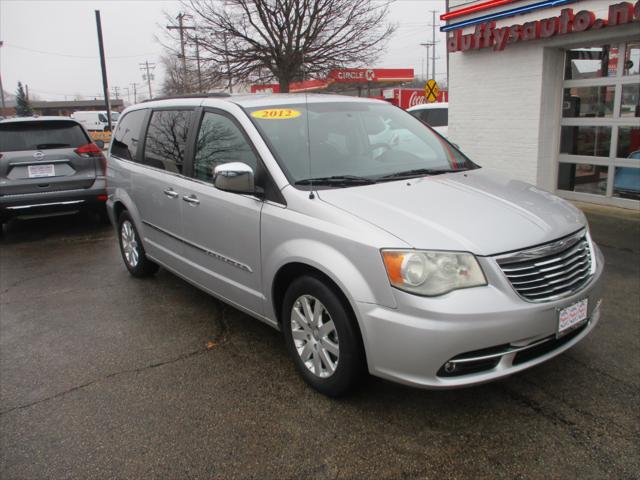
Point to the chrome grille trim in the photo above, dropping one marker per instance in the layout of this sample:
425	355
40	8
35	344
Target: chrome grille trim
551	271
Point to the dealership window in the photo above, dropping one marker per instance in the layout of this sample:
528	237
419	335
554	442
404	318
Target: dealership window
600	125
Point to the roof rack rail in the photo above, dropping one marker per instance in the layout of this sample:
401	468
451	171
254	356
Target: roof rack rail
189	95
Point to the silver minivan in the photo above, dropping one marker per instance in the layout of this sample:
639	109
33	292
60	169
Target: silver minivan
369	240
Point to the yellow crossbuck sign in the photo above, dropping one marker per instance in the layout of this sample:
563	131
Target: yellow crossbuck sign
431	91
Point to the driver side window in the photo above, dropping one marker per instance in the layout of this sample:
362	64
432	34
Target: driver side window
219	141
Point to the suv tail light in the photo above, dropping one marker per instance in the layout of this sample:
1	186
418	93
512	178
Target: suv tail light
89	150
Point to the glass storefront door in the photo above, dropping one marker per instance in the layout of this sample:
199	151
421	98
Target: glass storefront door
599	158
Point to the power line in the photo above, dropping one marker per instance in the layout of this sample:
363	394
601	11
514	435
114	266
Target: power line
85	57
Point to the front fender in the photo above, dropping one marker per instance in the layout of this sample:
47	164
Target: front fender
349	277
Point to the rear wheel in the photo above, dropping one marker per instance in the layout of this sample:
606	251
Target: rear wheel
322	337
132	250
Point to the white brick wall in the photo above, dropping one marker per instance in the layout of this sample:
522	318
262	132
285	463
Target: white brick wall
494	108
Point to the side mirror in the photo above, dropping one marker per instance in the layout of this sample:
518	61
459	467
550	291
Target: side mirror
99	143
234	177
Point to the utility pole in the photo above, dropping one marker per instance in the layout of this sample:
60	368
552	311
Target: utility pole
198	63
226	56
182	28
128	94
26	87
103	65
433	41
427	45
146	66
116	91
135	92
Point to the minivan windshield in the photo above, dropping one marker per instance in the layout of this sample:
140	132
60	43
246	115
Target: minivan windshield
353	143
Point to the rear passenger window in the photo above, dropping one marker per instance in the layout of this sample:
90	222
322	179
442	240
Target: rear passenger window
167	139
127	135
220	141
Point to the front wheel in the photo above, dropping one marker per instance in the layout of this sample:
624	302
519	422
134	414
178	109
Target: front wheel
322	336
132	250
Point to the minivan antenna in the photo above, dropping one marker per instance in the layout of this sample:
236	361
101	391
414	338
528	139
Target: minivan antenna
306	106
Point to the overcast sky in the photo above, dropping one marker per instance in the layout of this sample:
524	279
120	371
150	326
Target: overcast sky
52	45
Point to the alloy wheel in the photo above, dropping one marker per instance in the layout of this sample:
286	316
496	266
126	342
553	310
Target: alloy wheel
315	336
129	244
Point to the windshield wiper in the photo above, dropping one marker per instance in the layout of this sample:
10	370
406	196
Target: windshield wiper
337	180
420	171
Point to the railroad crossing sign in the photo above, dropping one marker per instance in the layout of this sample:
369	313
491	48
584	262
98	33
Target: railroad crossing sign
431	91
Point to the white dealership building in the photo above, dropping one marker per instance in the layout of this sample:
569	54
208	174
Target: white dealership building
549	92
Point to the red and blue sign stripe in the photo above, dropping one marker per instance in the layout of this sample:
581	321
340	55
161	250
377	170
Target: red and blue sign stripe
495	16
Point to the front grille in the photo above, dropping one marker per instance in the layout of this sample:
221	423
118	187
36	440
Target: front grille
550	271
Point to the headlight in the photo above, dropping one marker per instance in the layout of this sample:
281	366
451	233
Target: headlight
432	273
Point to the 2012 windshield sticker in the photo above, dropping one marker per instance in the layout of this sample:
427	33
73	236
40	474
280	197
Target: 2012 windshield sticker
276	114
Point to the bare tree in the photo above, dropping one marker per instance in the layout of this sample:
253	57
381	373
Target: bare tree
174	80
262	40
175	83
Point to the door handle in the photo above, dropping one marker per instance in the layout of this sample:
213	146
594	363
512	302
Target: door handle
170	192
191	199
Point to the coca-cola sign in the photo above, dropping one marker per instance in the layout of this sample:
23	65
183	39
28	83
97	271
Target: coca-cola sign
410	97
417	98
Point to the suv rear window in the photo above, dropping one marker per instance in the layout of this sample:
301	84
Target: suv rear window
40	135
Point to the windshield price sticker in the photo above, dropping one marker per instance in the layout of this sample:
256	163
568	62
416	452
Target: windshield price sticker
276	114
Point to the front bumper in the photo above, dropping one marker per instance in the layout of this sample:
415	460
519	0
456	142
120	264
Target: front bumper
48	203
412	343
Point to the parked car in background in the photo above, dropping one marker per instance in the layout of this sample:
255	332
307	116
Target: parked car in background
627	179
49	166
95	120
370	241
436	115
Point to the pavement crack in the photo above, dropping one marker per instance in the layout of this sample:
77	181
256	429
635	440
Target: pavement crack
177	359
632	388
606	461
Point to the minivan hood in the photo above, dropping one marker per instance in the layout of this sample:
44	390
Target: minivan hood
471	211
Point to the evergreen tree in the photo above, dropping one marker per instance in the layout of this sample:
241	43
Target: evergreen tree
23	107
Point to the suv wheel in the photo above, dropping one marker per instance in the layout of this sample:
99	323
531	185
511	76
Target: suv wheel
321	336
132	250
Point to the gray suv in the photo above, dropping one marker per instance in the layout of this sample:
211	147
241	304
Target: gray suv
48	166
371	242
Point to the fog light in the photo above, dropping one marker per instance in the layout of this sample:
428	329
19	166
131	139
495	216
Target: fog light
450	367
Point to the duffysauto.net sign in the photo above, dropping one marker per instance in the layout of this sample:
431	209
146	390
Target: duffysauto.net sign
486	35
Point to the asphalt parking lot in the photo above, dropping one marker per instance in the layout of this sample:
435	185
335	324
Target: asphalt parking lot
106	376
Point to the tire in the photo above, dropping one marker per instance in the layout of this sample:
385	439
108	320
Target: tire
329	357
131	248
